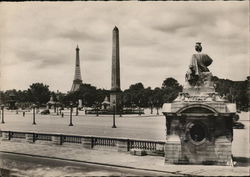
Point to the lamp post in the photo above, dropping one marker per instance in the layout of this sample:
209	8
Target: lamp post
97	109
114	110
60	110
77	109
139	102
157	102
57	107
2	108
121	108
57	103
151	106
34	114
70	116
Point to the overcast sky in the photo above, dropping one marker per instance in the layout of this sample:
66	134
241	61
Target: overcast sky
38	41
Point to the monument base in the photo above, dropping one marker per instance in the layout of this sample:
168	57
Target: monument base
199	129
218	153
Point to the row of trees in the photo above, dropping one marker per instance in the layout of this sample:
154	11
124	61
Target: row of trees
135	95
234	91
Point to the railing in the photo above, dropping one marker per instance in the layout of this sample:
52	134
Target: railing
17	135
44	137
146	145
93	141
71	139
103	141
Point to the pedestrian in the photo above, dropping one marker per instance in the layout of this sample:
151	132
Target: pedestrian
62	114
23	113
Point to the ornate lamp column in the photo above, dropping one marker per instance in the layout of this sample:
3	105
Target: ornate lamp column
114	111
157	108
70	116
139	102
34	114
2	108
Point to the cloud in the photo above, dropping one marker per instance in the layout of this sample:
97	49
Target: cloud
156	41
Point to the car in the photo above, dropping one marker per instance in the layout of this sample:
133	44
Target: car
45	112
238	125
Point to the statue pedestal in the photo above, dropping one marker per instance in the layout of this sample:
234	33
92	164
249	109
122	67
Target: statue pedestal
199	128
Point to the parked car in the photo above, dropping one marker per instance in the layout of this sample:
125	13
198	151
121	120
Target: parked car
45	112
238	125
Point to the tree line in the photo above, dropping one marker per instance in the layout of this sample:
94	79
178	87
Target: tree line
135	95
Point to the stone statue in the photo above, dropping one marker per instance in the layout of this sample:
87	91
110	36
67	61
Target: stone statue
198	71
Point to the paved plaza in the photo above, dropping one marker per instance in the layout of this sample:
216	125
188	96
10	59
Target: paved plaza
130	126
147	126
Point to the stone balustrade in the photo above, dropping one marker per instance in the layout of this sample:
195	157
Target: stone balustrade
89	142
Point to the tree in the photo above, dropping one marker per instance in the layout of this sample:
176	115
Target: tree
170	82
134	95
39	93
170	89
235	91
88	94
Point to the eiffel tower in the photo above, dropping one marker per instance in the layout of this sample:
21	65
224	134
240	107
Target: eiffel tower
77	78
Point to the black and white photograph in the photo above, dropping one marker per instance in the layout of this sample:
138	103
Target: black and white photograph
124	88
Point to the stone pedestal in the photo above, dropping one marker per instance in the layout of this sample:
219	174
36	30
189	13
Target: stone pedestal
199	128
173	149
29	137
87	142
5	136
115	97
223	151
57	140
123	146
138	152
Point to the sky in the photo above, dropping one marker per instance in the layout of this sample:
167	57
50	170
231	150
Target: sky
38	41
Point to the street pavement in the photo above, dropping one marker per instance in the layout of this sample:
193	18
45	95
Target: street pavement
142	165
33	166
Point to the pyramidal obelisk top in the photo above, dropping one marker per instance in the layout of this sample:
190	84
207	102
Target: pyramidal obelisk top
77	78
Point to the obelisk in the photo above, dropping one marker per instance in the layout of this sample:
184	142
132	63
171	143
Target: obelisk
115	95
77	78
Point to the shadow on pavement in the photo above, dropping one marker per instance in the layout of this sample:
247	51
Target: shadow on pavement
242	161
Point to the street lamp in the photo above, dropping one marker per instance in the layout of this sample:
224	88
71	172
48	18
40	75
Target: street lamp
151	106
71	110
157	102
121	108
57	103
97	109
139	102
114	110
34	114
2	108
55	107
77	109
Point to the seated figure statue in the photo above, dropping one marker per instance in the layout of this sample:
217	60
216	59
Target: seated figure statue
198	74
